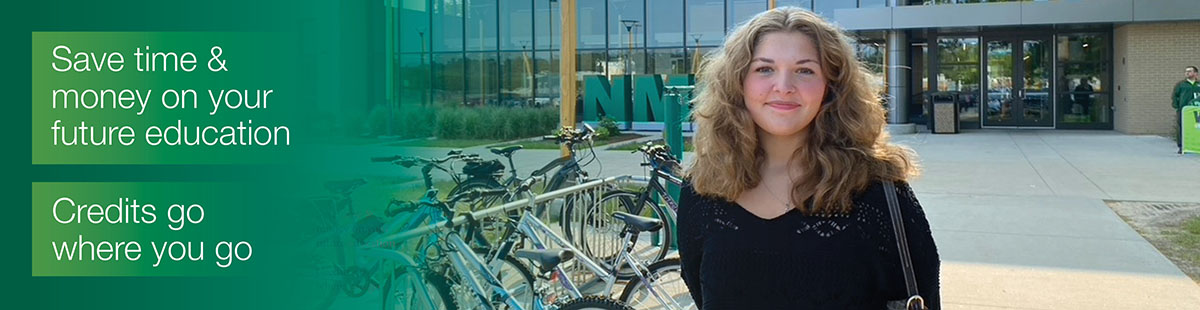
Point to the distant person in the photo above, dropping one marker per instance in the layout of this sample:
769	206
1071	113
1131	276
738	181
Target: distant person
1186	92
1083	96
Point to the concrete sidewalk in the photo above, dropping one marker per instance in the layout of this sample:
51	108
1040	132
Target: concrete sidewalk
1020	219
1018	215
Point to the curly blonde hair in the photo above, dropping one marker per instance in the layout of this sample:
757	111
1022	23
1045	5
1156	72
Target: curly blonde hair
847	146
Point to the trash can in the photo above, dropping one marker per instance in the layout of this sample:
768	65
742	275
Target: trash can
944	118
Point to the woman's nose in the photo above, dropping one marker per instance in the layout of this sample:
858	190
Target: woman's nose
784	84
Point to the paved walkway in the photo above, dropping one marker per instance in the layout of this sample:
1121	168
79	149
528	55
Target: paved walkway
1018	215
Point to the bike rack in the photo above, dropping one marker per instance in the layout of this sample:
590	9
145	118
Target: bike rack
601	184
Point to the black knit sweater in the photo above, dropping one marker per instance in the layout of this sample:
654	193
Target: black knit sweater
733	259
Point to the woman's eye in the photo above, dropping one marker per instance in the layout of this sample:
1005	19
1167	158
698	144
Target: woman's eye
806	71
764	70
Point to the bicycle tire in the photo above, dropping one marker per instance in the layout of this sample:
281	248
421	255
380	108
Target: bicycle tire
525	276
437	283
597	234
594	302
665	274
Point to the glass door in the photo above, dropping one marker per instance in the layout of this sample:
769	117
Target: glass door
1017	77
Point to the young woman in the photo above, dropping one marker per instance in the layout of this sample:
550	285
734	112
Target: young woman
784	206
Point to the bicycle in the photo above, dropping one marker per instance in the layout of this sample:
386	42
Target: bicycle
470	269
647	280
596	230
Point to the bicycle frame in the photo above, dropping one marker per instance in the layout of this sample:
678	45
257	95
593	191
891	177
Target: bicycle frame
530	226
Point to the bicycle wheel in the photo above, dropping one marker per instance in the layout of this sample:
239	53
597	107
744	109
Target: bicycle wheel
492	227
594	302
515	277
665	277
593	229
400	292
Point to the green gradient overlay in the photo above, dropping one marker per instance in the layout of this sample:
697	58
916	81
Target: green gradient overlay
324	61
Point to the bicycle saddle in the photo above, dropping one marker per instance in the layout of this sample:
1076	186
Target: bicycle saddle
546	259
638	223
506	151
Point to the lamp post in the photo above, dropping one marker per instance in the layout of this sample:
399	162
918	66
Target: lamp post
629	25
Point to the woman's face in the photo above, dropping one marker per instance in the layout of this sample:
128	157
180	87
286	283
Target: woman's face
784	88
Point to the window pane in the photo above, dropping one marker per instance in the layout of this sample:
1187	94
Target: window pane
447	25
547	78
806	4
589	63
665	23
1083	70
413	27
826	8
958	71
872	3
447	78
547	24
516	25
958	50
481	25
695	57
590	21
413	71
516	78
625	20
743	10
706	21
668	61
619	59
482	79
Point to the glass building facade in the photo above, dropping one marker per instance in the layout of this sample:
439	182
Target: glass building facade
507	52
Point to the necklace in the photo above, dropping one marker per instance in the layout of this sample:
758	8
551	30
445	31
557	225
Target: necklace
786	203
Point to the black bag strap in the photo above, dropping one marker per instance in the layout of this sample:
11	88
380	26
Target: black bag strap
910	278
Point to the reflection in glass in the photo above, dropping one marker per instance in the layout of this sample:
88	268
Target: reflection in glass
706	19
546	78
626	23
482	83
447	25
742	10
807	4
621	61
665	23
447	78
413	28
590	20
481	25
546	24
413	79
1036	62
1000	87
516	78
826	8
958	71
668	61
516	25
1083	68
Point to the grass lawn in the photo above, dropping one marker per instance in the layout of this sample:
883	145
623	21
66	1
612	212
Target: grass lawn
1187	237
550	145
447	143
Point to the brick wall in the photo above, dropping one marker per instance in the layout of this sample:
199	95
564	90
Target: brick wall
1148	60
